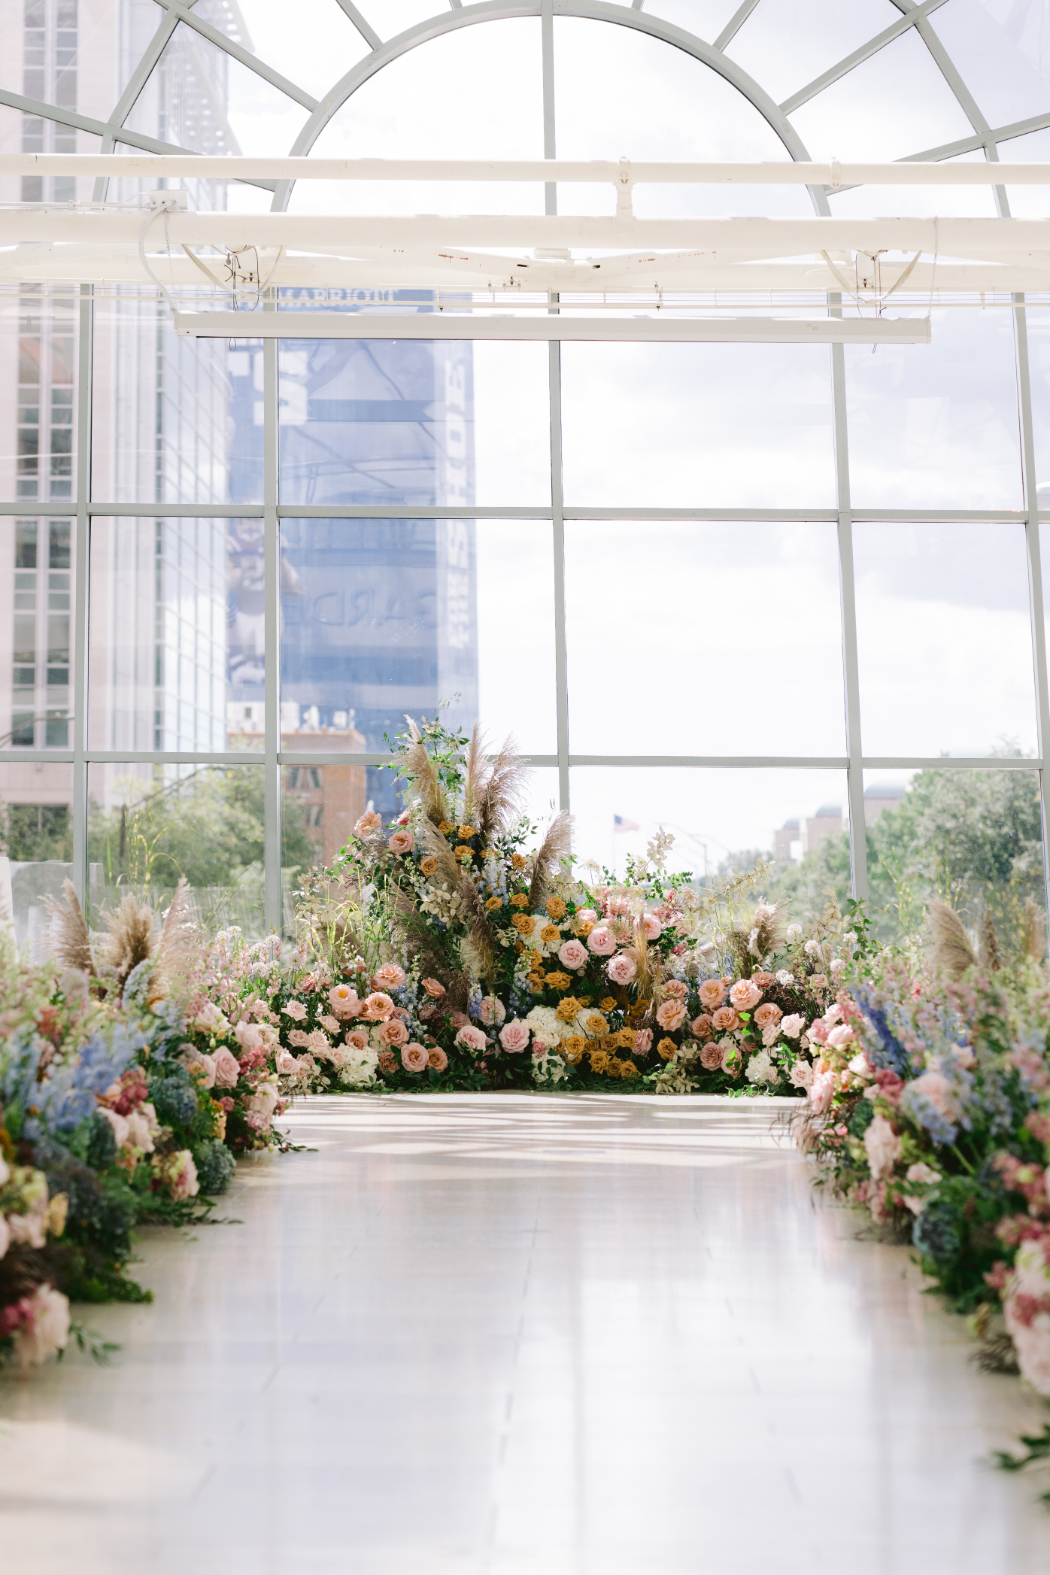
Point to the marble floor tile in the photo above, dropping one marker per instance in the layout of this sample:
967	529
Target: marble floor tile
522	1335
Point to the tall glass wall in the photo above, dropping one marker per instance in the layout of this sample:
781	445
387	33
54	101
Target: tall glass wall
783	601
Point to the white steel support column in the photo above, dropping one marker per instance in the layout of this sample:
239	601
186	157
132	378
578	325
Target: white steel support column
847	599
560	664
81	561
272	595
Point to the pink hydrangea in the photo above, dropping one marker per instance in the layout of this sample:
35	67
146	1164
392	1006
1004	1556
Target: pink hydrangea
514	1036
821	1090
621	968
573	954
43	1326
602	941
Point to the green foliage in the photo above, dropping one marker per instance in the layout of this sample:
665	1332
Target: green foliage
955	1235
31	833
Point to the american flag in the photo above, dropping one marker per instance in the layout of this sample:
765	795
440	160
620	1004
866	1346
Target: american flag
621	824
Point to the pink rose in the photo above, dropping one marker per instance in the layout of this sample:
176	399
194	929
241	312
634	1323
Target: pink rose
725	1020
768	1015
344	1000
840	1037
601	941
295	1010
652	926
492	1011
358	1038
415	1057
744	995
883	1147
437	1059
387	1063
317	1041
368	824
935	1087
573	954
514	1036
460	1019
621	968
227	1069
378	1007
820	1091
248	1036
793	1025
471	1037
711	1057
401	842
643	1041
393	1032
332	1024
299	1038
801	1074
287	1064
670	1015
388	977
712	993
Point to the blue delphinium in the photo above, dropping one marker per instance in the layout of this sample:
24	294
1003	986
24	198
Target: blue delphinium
924	1113
67	1097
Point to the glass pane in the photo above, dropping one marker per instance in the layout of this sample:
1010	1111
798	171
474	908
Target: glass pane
785	46
383	617
413	422
36	849
704	18
150	825
622	92
36	620
1038	322
935	426
721	820
314	53
893	104
944	639
627	570
176	634
34	134
972	838
1027	202
697	426
176	420
38	393
1002	53
479	87
879	202
390	17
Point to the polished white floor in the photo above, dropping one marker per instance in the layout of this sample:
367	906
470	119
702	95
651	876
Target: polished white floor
491	1335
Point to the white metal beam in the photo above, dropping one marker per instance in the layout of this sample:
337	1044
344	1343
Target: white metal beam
433	325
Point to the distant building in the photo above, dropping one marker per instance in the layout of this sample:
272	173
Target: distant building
801	835
880	798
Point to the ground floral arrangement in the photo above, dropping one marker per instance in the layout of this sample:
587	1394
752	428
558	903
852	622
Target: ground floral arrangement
446	951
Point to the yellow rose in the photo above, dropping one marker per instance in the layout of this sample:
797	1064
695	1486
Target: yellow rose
466	832
519	900
429	865
667	1048
494	902
445	827
558	980
555	908
583	927
607	1004
627	1037
519	946
517	862
524	924
550	932
615	1068
594	1024
464	853
535	984
599	1060
628	1069
568	1008
573	1047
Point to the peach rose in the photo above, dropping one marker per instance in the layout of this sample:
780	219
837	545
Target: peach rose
368	823
763	980
573	954
378	1007
386	1062
744	995
437	1059
401	842
725	1020
670	1015
358	1038
393	1032
389	977
701	1026
676	990
344	1002
711	1057
227	1070
415	1057
712	993
514	1036
621	968
768	1015
433	989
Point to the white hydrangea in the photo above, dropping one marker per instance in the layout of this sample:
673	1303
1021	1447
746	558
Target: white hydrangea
548	1069
359	1070
793	932
545	1025
760	1069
